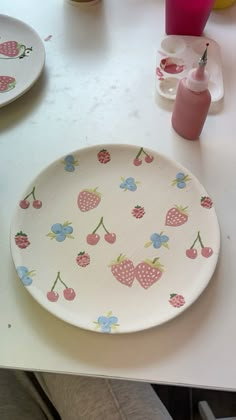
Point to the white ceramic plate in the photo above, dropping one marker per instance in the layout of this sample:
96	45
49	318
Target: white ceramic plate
22	57
115	238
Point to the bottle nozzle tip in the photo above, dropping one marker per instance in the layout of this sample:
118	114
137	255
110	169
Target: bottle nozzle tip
203	59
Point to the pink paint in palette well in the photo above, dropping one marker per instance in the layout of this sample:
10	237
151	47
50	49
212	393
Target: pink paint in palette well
172	65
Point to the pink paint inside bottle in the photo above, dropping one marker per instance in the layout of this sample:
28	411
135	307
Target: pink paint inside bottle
187	17
192	102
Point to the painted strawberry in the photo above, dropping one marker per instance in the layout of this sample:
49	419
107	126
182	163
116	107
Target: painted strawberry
83	259
9	48
104	156
148	272
206	202
21	240
7	83
176	300
176	216
123	270
12	49
138	212
88	199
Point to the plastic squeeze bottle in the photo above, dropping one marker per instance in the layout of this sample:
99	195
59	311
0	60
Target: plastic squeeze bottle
192	102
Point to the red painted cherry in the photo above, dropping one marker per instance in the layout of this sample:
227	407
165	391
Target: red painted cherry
93	238
24	204
191	253
69	293
37	204
137	162
207	251
149	158
52	296
110	237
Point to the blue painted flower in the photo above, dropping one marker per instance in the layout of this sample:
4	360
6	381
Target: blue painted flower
157	240
129	184
107	323
180	180
25	275
69	163
61	231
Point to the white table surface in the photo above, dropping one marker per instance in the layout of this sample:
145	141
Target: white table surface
99	87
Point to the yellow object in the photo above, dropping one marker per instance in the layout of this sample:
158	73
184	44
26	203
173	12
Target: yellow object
221	4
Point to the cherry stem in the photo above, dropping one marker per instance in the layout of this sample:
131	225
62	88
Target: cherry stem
58	278
145	153
194	242
200	240
31	193
98	226
104	227
139	153
64	284
55	282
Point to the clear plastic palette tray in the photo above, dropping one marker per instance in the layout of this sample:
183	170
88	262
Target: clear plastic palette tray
177	55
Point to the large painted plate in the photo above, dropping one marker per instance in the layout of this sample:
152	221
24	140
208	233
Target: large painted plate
115	239
22	57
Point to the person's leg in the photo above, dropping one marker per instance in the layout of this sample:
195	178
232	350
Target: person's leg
22	398
87	398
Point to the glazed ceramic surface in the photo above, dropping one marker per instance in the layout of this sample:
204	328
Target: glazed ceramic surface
22	57
115	238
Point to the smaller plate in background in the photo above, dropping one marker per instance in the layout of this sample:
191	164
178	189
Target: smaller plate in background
22	57
178	55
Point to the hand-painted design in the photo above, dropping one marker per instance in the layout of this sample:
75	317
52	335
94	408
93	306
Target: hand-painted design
107	324
176	300
157	240
83	259
88	199
104	156
129	184
176	216
148	272
206	202
70	163
180	180
24	204
25	275
61	231
148	158
7	83
159	74
93	238
192	253
138	212
123	270
21	240
12	50
68	292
